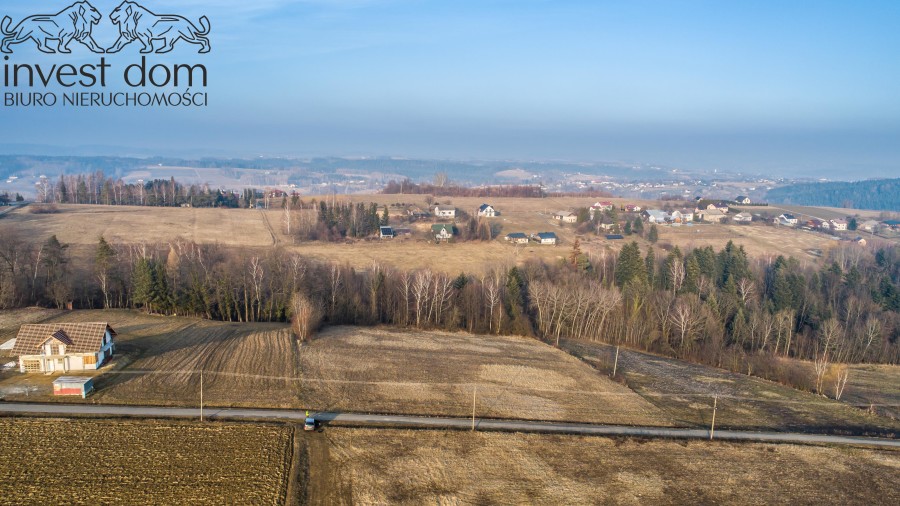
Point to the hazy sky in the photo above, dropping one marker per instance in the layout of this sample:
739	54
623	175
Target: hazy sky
793	85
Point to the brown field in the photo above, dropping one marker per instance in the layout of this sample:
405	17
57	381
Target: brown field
434	373
685	391
433	467
82	225
159	359
54	461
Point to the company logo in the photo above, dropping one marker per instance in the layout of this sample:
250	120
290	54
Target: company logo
75	22
142	83
138	23
54	32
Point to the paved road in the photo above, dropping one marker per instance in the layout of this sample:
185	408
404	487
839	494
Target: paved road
356	419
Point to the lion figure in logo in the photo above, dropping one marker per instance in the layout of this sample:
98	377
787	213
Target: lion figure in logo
138	23
75	22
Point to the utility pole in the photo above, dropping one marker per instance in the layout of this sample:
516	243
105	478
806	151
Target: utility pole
616	363
201	395
474	390
712	427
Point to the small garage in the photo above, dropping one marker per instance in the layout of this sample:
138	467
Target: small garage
73	385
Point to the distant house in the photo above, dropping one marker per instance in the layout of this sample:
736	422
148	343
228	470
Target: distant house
565	216
656	216
599	207
444	211
632	208
517	238
386	233
64	347
743	217
545	237
443	232
487	211
682	216
712	215
839	224
607	226
402	231
869	225
742	199
721	206
788	218
892	224
615	237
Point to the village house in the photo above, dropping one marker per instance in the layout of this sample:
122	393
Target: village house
787	219
839	224
632	208
565	216
64	347
892	224
869	225
743	217
682	216
386	233
599	207
416	213
487	211
443	233
545	238
742	199
712	215
444	211
656	216
517	238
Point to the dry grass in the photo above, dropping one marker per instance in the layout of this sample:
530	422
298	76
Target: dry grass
51	461
875	385
685	391
387	371
432	467
82	225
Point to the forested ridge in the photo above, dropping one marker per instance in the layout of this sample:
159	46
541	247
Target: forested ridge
715	307
877	194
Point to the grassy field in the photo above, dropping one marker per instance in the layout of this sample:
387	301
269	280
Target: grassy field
433	467
81	226
435	373
53	461
158	361
685	391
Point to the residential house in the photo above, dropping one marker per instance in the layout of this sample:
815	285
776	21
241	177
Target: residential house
839	225
443	232
444	211
64	347
600	207
632	208
721	206
545	237
892	224
487	211
743	217
517	238
386	233
788	219
742	199
565	216
869	225
712	215
656	216
682	216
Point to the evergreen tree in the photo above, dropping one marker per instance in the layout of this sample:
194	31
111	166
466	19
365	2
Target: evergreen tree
653	235
627	227
638	227
630	265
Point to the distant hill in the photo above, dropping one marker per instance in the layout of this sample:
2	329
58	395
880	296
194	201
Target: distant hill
876	194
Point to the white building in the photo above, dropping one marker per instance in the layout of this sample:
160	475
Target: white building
487	211
838	224
445	211
565	216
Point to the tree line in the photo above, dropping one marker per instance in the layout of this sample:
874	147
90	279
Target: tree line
713	307
96	188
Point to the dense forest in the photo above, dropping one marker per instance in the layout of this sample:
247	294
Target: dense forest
714	307
877	194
